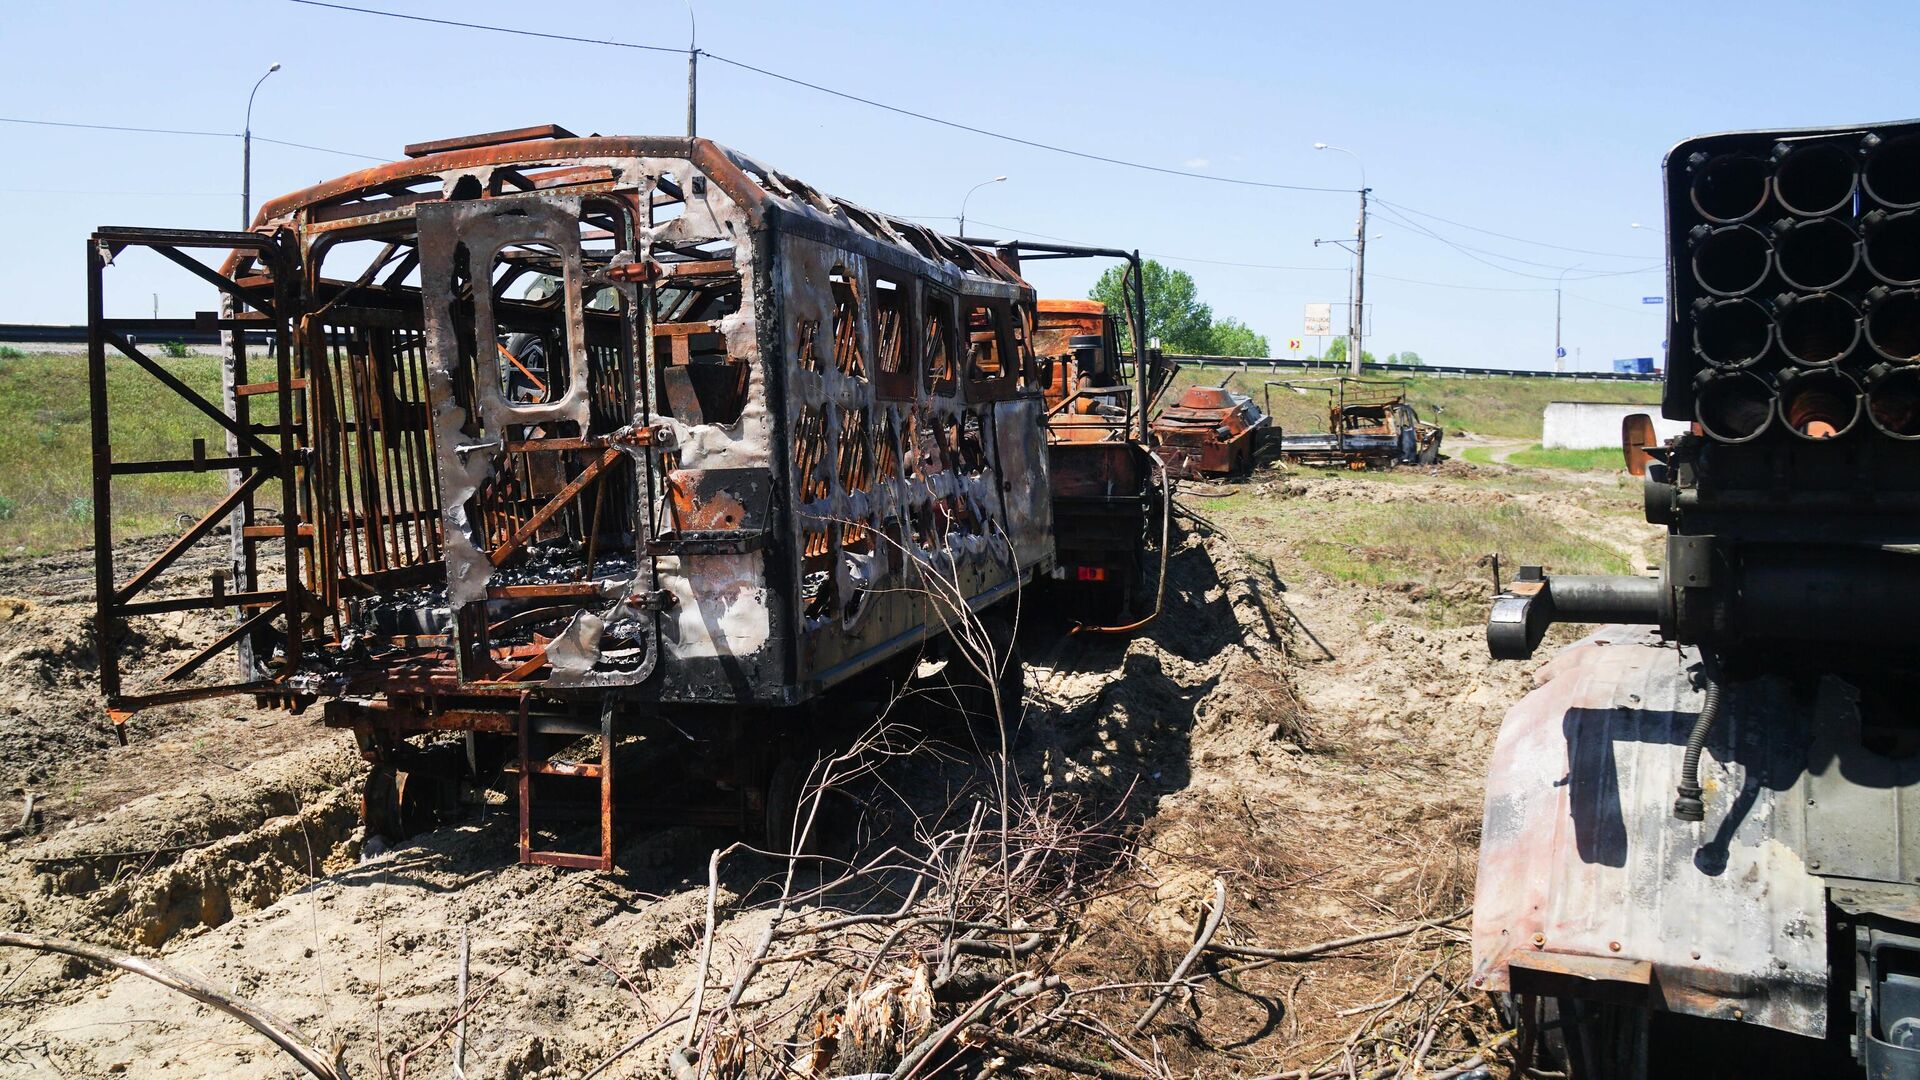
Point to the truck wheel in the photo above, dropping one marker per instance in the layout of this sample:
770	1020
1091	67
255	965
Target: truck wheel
785	811
974	694
1589	1040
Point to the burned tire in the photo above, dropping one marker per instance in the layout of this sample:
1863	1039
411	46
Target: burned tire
397	804
986	705
783	810
1587	1040
380	805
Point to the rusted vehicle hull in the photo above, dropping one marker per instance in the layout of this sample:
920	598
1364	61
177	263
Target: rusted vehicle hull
759	423
1587	887
1210	432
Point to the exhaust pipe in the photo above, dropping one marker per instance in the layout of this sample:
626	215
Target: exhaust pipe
1817	254
1818	329
1731	333
1892	175
1733	406
1893	323
1813	178
1820	405
1730	260
1893	401
1729	188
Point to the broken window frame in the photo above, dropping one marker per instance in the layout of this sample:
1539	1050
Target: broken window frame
942	379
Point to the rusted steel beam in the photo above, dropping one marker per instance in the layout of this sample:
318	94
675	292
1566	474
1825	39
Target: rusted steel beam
561	499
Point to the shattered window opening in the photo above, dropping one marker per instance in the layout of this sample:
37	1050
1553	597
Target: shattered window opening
846	325
984	362
939	341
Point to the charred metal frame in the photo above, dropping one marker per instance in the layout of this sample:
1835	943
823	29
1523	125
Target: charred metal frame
1369	423
633	420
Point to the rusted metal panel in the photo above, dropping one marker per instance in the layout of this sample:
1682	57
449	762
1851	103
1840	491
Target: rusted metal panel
1211	431
1581	856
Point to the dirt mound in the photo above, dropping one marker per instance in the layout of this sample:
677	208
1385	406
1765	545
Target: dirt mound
1261	732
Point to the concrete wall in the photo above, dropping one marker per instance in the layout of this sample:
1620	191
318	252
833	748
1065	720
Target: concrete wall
1594	425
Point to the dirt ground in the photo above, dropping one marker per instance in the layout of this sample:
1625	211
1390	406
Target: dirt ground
1311	744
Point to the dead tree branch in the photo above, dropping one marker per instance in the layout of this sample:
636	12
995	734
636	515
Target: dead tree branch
279	1031
1199	945
1318	949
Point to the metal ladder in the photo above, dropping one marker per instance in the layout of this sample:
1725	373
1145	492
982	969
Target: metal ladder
531	765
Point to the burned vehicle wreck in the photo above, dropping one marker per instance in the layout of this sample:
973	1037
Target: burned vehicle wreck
1694	859
563	439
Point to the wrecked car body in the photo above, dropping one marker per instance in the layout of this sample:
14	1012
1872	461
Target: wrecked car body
1370	424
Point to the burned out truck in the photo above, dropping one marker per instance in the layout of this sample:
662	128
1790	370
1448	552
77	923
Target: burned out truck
560	441
1699	855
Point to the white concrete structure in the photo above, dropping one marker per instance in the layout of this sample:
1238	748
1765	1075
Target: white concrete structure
1595	425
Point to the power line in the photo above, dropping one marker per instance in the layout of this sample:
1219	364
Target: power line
1469	288
119	127
322	149
743	65
494	29
183	131
1505	236
100	191
958	126
1161	254
1475	253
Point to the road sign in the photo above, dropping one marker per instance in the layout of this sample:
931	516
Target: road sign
1560	354
1293	344
1653	299
1319	320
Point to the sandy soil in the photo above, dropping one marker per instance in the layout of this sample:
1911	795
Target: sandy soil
1310	744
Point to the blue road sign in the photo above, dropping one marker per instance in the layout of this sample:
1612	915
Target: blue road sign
1560	354
1653	299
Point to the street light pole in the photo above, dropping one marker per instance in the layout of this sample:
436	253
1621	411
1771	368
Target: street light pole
246	153
693	67
969	195
1559	354
1356	322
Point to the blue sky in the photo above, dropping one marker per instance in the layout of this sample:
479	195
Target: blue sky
1543	121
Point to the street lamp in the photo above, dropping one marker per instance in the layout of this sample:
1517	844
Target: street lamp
1357	314
969	195
1559	354
246	153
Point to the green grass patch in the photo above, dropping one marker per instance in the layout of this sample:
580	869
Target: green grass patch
1478	455
1435	551
46	462
1504	408
1604	460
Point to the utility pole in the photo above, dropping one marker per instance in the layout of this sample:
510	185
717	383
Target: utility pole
1355	353
693	87
693	67
1559	353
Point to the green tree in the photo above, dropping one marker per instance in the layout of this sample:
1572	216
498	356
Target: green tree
1337	353
1409	358
1231	337
1175	314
